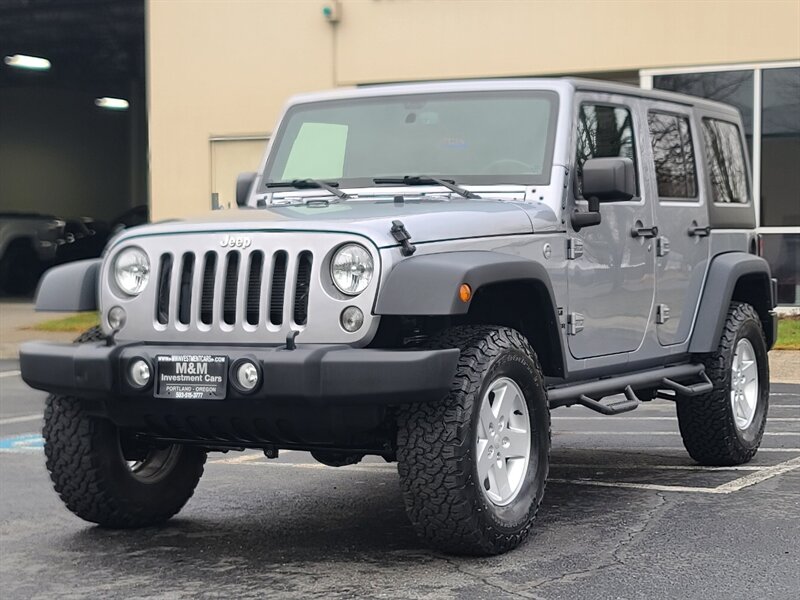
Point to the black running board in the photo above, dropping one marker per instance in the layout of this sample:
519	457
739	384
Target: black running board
590	393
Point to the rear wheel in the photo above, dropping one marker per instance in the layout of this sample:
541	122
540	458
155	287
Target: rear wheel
725	426
473	466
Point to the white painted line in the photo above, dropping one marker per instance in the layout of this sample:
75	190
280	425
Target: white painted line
784	406
649	449
642	467
9	374
773	433
361	467
754	478
637	486
725	488
20	419
674	419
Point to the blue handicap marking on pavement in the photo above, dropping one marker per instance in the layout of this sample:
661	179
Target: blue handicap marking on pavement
22	443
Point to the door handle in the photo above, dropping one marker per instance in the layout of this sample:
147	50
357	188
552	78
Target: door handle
696	231
644	232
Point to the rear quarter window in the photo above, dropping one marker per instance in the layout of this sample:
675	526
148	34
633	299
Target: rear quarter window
726	162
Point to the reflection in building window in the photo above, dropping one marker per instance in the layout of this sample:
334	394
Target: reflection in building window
780	147
731	87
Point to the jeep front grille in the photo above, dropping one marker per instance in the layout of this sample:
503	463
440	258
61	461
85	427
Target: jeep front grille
204	291
233	287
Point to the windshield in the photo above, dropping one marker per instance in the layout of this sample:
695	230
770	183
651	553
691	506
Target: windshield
478	138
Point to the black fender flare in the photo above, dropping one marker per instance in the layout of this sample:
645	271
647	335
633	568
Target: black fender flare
724	273
71	287
429	284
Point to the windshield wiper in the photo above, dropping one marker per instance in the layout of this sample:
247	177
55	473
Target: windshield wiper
304	184
427	180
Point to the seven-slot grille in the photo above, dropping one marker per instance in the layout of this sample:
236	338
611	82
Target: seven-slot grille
230	288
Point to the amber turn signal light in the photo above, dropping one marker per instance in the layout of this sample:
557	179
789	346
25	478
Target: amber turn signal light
465	292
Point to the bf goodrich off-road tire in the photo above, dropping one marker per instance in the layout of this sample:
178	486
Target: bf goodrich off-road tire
92	477
725	426
442	446
85	459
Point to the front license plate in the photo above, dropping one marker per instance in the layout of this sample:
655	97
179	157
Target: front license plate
192	376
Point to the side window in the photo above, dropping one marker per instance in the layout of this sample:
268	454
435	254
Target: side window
603	132
726	162
673	155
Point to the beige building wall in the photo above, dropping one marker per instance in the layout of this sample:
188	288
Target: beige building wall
223	68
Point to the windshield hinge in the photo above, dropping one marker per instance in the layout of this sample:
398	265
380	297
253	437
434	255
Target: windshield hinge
400	234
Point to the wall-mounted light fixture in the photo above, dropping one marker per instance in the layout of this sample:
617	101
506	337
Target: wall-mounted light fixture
112	103
23	61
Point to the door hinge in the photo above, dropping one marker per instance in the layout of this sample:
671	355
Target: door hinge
574	248
662	314
662	246
574	323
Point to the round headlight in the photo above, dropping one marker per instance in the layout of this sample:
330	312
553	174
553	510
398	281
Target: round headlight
131	271
351	269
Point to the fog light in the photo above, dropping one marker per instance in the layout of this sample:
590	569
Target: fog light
140	373
247	376
116	318
352	319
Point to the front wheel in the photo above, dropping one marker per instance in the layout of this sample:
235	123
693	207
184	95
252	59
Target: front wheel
725	426
90	463
473	466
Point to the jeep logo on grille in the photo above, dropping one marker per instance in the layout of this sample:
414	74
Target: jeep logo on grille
236	241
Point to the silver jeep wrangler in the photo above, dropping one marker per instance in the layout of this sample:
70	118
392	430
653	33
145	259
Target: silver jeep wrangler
422	272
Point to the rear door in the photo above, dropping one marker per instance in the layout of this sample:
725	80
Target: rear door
681	246
610	274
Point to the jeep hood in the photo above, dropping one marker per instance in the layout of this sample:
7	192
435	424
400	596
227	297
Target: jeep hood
427	220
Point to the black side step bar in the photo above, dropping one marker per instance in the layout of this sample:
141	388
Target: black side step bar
664	377
612	408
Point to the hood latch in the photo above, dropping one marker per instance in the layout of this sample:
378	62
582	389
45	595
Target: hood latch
400	234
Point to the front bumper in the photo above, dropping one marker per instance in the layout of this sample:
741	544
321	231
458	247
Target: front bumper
315	394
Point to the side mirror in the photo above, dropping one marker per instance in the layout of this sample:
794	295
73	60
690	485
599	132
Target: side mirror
604	180
244	182
609	179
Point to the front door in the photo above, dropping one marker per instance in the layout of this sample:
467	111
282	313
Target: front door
681	216
610	277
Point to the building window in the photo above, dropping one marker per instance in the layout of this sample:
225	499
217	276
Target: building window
726	166
603	132
775	151
731	87
673	155
782	252
780	147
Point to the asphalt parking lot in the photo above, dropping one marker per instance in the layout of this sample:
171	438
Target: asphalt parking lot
627	514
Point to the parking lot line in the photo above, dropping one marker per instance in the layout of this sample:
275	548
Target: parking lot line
675	419
9	374
770	433
640	449
759	476
20	419
629	467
